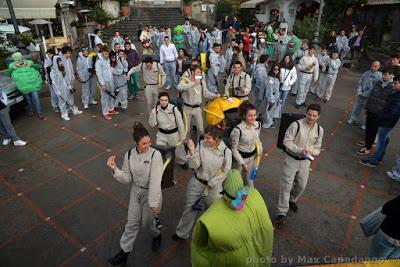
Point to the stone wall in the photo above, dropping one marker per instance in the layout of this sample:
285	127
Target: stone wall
205	17
112	7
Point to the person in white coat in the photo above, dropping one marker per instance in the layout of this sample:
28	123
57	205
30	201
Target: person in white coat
63	89
85	77
323	60
308	72
106	82
120	82
271	85
327	84
288	77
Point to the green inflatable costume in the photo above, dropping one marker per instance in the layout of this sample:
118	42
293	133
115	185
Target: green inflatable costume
25	74
178	38
270	41
293	45
224	236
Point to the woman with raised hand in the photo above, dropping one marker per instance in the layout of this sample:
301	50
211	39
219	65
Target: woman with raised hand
143	166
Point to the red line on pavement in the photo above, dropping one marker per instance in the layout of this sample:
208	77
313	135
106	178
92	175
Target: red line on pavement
355	211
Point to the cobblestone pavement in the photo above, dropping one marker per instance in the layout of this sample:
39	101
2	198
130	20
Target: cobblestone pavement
60	206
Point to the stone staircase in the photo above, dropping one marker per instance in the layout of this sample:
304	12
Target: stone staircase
158	16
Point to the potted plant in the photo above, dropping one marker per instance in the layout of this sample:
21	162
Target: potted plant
125	9
187	8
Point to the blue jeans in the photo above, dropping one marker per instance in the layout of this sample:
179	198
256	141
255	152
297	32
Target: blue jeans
6	128
383	141
33	102
284	94
357	115
381	248
170	69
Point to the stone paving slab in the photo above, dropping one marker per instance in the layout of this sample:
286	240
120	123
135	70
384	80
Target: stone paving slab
61	207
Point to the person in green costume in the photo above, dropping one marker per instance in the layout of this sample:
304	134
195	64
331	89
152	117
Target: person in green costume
28	81
270	41
178	38
293	45
235	231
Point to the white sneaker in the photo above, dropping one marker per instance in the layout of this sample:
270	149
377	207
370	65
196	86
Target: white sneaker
77	112
85	106
362	127
6	142
350	122
94	102
19	143
65	117
391	175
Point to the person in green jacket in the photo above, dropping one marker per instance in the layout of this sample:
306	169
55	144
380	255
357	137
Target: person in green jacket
28	81
246	235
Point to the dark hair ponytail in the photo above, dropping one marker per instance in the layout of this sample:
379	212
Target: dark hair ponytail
139	131
245	107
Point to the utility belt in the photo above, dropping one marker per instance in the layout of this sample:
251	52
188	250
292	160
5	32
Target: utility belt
241	96
247	155
169	61
295	157
142	187
151	84
200	180
306	72
168	131
192	106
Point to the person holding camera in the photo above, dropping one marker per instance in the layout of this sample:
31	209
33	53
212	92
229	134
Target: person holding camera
193	91
63	89
308	72
238	83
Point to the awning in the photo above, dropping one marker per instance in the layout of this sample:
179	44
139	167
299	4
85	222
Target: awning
382	2
251	3
30	9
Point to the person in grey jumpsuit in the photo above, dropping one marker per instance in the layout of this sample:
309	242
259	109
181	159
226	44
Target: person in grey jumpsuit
245	137
193	90
171	128
211	161
272	97
260	75
143	167
106	81
63	88
86	78
120	81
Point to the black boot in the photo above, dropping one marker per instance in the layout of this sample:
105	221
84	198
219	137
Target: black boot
121	257
155	246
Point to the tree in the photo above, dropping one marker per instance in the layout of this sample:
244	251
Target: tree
334	10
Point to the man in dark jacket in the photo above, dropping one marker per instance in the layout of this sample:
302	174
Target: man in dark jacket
133	59
375	105
387	121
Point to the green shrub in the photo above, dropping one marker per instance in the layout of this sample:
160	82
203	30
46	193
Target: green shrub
305	28
100	16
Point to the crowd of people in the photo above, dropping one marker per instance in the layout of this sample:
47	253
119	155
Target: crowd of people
259	68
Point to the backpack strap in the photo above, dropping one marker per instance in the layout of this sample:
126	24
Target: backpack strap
298	128
240	131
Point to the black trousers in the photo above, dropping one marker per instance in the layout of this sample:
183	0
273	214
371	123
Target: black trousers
371	129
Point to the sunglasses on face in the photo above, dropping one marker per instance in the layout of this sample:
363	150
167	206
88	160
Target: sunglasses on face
276	69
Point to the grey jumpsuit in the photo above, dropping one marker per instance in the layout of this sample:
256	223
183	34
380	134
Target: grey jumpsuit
145	172
244	139
171	129
210	167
